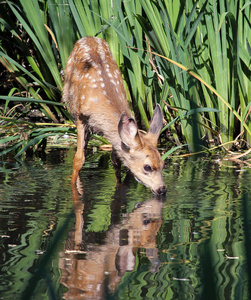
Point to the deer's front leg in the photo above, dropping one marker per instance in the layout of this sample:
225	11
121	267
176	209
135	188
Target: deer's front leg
79	158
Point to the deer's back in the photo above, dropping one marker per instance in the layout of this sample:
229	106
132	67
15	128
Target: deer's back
93	85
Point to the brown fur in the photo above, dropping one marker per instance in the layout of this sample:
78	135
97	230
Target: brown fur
96	97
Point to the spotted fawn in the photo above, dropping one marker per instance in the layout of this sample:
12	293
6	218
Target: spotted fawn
96	97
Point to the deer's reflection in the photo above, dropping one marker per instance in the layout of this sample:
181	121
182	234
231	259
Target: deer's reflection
97	270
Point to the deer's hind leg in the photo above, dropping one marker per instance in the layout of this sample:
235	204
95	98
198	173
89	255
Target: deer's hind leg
82	140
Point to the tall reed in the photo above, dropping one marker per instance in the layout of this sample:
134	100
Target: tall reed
211	38
191	57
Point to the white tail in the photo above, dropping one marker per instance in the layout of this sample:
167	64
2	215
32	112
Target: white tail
96	96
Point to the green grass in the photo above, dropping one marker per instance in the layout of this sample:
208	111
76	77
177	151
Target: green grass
191	57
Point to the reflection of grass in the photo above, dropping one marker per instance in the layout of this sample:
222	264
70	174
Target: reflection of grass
203	213
38	198
44	269
247	228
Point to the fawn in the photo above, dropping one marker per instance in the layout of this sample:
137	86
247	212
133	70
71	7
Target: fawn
96	97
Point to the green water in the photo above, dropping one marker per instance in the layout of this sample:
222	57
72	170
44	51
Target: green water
122	242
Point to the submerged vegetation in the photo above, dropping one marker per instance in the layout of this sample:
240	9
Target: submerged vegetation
192	57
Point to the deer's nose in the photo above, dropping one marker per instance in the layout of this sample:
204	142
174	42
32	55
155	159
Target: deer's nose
161	190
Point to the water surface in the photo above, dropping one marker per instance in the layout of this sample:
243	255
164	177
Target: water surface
122	242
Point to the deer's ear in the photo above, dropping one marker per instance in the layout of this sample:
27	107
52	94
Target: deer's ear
128	131
156	125
125	259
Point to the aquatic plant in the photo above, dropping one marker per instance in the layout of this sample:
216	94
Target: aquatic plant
192	57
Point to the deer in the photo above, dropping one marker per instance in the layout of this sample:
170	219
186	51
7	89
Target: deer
96	97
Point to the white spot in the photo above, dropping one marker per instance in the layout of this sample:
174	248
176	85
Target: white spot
109	102
83	97
93	80
70	60
87	75
94	99
94	86
82	76
100	72
113	82
94	65
85	49
102	85
101	49
86	57
110	75
102	56
105	93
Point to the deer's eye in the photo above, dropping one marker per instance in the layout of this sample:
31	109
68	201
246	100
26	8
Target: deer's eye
147	168
146	221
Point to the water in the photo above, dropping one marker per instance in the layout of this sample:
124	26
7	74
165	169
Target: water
122	242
